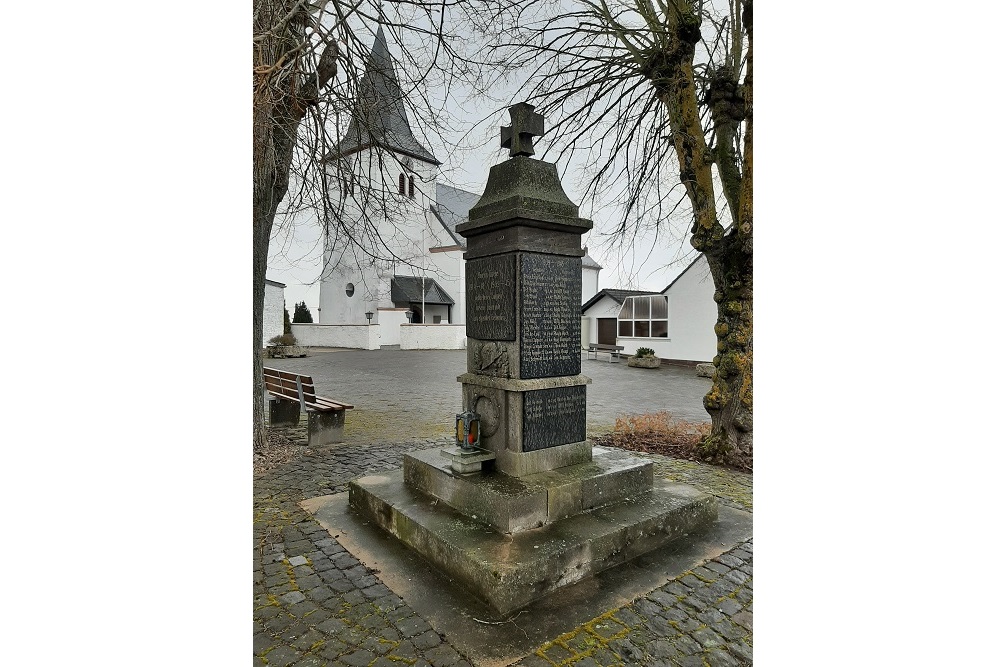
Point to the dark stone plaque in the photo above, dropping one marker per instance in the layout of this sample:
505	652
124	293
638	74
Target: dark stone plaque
555	416
490	297
551	286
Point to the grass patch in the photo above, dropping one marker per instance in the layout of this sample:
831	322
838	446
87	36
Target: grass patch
660	433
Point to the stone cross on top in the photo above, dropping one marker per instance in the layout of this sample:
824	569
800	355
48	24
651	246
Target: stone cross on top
524	125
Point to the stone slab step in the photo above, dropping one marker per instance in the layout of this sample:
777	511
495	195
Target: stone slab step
512	504
510	571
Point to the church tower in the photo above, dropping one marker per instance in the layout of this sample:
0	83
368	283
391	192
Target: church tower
393	253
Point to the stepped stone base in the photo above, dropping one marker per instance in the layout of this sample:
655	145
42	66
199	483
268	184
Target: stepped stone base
509	571
512	504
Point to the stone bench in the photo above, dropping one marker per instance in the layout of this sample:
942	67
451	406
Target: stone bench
614	351
291	393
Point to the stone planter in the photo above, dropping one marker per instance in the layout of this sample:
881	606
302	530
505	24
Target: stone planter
644	362
705	370
284	351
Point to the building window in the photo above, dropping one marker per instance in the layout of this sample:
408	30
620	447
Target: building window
402	184
412	189
643	317
348	183
350	289
437	319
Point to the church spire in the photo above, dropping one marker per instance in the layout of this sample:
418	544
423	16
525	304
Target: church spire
379	114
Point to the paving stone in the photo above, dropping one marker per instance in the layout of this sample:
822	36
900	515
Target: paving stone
426	640
358	658
412	625
608	628
689	661
661	627
710	616
688	625
333	648
308	582
707	638
677	588
277	579
293	597
730	560
320	593
741	651
690	581
302	609
443	656
745	619
661	648
628	617
283	656
677	613
302	570
533	661
704	573
405	651
718	568
378	645
261	643
737	576
729	606
557	654
309	639
719	658
687	645
646	607
730	630
695	603
663	597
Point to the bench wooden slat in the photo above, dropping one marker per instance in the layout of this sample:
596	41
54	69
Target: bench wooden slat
282	384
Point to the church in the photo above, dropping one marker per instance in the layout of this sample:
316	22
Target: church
417	274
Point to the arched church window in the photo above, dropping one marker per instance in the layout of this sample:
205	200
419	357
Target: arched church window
412	188
402	184
350	289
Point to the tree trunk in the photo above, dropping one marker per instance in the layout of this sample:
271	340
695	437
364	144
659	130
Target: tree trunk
276	116
730	401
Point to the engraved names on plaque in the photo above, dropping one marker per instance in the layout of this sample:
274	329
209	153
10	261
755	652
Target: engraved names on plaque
491	293
550	315
554	417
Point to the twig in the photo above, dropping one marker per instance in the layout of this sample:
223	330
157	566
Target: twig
509	620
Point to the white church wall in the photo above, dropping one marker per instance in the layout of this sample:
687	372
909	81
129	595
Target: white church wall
274	312
590	280
432	337
389	321
357	336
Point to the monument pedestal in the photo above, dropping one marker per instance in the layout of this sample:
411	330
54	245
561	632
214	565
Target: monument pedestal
517	539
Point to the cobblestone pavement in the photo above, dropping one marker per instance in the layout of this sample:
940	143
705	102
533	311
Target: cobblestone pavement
315	604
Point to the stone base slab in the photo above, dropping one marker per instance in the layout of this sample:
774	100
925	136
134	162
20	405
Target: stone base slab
513	504
510	571
519	464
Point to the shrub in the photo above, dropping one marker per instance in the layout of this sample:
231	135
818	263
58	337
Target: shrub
283	339
302	314
645	352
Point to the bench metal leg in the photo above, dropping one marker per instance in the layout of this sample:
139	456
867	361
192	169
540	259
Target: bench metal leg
326	428
283	413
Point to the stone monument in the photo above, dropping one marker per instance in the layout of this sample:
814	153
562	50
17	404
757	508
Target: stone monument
534	505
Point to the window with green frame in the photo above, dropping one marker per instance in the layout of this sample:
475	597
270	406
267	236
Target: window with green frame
643	317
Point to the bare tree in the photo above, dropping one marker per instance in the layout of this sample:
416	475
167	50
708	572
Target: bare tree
309	67
651	95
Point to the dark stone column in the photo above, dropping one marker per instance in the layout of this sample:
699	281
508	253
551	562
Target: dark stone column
523	284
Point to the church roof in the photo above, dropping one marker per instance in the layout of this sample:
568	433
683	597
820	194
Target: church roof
379	114
589	262
407	289
617	295
452	208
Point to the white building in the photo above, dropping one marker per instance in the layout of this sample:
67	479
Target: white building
392	199
678	323
274	310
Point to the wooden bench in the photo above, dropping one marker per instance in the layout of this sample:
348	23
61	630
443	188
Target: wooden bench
614	351
291	393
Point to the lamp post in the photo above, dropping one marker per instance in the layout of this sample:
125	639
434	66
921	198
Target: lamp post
409	315
369	315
